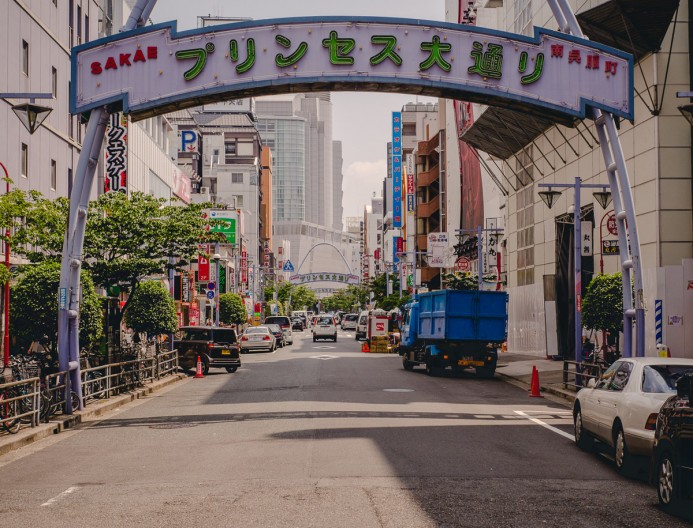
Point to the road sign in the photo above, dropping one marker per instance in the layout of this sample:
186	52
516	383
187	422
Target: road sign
210	294
462	264
611	224
211	286
63	298
288	266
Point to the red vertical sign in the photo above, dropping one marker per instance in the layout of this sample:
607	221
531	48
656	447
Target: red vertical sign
203	269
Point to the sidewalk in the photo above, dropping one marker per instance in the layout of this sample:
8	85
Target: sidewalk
517	369
28	435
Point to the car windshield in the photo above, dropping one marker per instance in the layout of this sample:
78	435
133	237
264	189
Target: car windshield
325	321
277	320
663	378
223	335
195	334
363	320
257	330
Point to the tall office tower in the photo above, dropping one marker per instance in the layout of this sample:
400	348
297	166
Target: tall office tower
337	192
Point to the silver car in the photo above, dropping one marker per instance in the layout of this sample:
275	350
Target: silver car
258	338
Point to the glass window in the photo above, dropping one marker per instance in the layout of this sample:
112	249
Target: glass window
25	58
325	321
616	377
230	149
236	177
257	330
54	82
25	160
223	335
663	378
54	175
195	334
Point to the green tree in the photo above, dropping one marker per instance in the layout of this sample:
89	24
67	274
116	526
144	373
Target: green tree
602	307
152	311
34	308
232	309
126	239
461	280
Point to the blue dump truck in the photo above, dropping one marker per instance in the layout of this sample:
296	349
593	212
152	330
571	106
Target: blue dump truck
454	329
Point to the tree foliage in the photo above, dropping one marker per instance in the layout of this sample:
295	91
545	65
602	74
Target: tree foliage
232	309
301	297
602	307
152	310
461	280
34	308
126	239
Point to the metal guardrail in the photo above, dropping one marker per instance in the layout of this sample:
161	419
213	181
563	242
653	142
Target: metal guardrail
580	374
37	398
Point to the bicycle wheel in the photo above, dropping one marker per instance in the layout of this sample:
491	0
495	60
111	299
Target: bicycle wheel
10	424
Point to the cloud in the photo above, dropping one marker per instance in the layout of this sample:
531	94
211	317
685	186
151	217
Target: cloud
361	180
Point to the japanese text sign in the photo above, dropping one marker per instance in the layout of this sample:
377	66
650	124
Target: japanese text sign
158	68
396	170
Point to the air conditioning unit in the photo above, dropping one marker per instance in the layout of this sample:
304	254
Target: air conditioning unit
204	190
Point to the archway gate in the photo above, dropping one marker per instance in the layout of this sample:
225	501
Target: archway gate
146	71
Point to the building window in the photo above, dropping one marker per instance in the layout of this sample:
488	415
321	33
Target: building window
523	17
230	151
525	235
54	82
55	3
25	160
25	58
236	177
54	175
239	201
409	129
86	28
69	182
79	24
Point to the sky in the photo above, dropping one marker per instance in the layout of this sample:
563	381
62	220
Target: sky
361	120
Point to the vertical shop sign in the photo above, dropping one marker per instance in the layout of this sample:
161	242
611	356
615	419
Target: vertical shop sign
396	170
116	154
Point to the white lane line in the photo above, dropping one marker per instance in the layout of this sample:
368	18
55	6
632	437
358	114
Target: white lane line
65	493
545	425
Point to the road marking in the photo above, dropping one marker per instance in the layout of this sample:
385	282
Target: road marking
65	493
545	425
324	357
398	390
324	347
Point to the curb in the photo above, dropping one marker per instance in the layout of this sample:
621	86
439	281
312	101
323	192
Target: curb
567	396
57	425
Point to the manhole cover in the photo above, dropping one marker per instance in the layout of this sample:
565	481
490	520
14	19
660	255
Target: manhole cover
172	426
398	390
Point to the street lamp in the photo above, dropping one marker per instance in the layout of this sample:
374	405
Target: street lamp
31	116
216	258
604	198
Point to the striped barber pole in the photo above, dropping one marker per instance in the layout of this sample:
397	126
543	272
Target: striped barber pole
658	321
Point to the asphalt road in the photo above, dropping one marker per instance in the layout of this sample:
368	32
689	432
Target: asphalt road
322	435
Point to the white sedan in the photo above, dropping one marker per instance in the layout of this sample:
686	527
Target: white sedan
621	407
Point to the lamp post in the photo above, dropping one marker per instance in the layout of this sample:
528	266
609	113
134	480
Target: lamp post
216	258
603	198
31	116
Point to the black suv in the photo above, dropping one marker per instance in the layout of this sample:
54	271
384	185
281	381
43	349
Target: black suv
217	347
672	463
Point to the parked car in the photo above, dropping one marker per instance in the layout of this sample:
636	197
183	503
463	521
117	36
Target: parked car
325	328
278	334
297	323
362	325
285	323
672	460
258	338
216	347
349	321
621	407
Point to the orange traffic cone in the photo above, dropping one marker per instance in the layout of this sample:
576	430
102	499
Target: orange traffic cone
534	387
365	347
198	371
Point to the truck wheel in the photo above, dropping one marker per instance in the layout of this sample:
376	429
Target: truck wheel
431	369
408	365
485	372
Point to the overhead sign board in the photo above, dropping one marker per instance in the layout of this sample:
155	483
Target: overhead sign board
228	225
324	277
157	68
438	245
